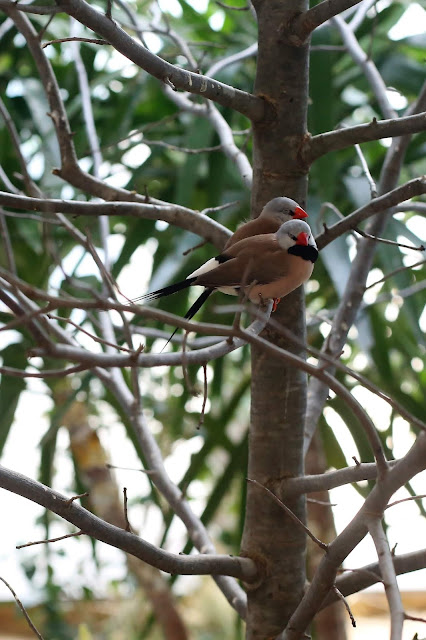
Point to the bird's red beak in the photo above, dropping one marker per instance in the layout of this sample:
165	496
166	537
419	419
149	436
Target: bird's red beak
303	238
300	213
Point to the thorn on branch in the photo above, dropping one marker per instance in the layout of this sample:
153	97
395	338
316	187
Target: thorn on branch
108	12
135	355
169	83
69	502
128	527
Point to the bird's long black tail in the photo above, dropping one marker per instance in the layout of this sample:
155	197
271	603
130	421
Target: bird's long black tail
166	291
192	310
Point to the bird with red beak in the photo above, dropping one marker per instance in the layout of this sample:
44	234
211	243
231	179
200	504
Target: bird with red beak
272	216
266	266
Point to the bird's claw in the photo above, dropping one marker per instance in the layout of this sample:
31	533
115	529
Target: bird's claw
275	304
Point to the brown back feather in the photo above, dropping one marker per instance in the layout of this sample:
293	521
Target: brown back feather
259	259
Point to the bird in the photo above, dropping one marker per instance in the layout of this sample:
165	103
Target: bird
267	266
272	216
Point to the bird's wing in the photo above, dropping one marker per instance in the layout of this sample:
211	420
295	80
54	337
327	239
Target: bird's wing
260	260
260	225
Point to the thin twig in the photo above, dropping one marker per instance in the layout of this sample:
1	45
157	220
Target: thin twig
114	466
205	391
346	604
392	504
75	39
407	616
366	170
22	608
68	535
194	248
386	241
290	513
89	334
396	271
48	373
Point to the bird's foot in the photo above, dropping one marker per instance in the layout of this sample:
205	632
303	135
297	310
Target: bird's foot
276	303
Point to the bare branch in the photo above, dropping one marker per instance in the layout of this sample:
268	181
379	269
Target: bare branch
324	357
245	103
230	60
239	337
31	8
368	67
412	463
361	266
329	480
7	183
323	143
47	373
408	190
302	25
57	110
242	568
366	170
7	245
360	579
179	216
360	14
388	574
30	185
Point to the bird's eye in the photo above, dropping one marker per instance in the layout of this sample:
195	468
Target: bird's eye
292	236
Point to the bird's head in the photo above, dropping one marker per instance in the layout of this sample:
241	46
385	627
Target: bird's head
283	209
295	232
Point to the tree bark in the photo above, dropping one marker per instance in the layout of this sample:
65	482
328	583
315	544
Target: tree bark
278	392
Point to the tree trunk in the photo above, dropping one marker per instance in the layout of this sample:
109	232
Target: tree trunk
330	623
278	391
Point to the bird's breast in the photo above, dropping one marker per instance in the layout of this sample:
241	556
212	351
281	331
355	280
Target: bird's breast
298	272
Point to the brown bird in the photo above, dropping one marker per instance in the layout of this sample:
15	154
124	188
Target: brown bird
268	266
272	216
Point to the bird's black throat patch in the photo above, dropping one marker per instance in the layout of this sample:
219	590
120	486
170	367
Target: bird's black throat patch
306	252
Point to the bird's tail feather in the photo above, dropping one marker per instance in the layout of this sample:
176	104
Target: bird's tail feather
166	291
192	311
